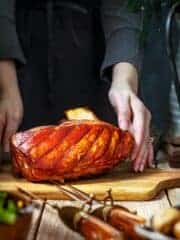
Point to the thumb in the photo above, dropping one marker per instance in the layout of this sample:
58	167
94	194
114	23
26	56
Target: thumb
123	110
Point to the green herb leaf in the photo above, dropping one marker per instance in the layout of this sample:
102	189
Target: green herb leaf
11	206
7	217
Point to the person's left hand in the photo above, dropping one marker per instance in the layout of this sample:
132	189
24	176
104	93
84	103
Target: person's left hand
132	115
11	105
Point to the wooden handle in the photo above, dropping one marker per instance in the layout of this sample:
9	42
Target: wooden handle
93	228
125	221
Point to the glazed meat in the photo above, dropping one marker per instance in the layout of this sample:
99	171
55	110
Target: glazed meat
70	150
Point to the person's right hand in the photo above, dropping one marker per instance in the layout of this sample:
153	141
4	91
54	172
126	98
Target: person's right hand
132	114
11	107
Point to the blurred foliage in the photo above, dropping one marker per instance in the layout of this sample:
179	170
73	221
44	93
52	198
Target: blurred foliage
148	8
8	209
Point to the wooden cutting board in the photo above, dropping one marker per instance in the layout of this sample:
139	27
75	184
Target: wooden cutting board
125	184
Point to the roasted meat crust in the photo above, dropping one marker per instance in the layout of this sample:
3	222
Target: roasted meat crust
70	150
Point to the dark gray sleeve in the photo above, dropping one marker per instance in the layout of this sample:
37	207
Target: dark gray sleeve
9	44
122	30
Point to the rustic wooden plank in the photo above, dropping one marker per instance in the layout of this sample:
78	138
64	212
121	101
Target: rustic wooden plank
34	223
174	196
52	227
147	209
125	184
174	193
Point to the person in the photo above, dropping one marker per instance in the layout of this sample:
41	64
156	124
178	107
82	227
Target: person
50	56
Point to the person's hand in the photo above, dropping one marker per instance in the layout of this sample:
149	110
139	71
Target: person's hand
132	114
11	107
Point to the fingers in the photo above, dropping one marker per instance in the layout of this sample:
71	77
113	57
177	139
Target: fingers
147	160
141	122
12	124
124	113
141	126
141	160
121	103
135	117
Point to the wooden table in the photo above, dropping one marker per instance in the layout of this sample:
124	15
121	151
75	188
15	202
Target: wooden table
47	225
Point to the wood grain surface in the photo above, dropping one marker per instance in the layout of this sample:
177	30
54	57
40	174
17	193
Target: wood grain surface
46	225
125	184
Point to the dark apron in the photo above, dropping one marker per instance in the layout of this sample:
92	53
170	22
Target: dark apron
64	49
156	73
